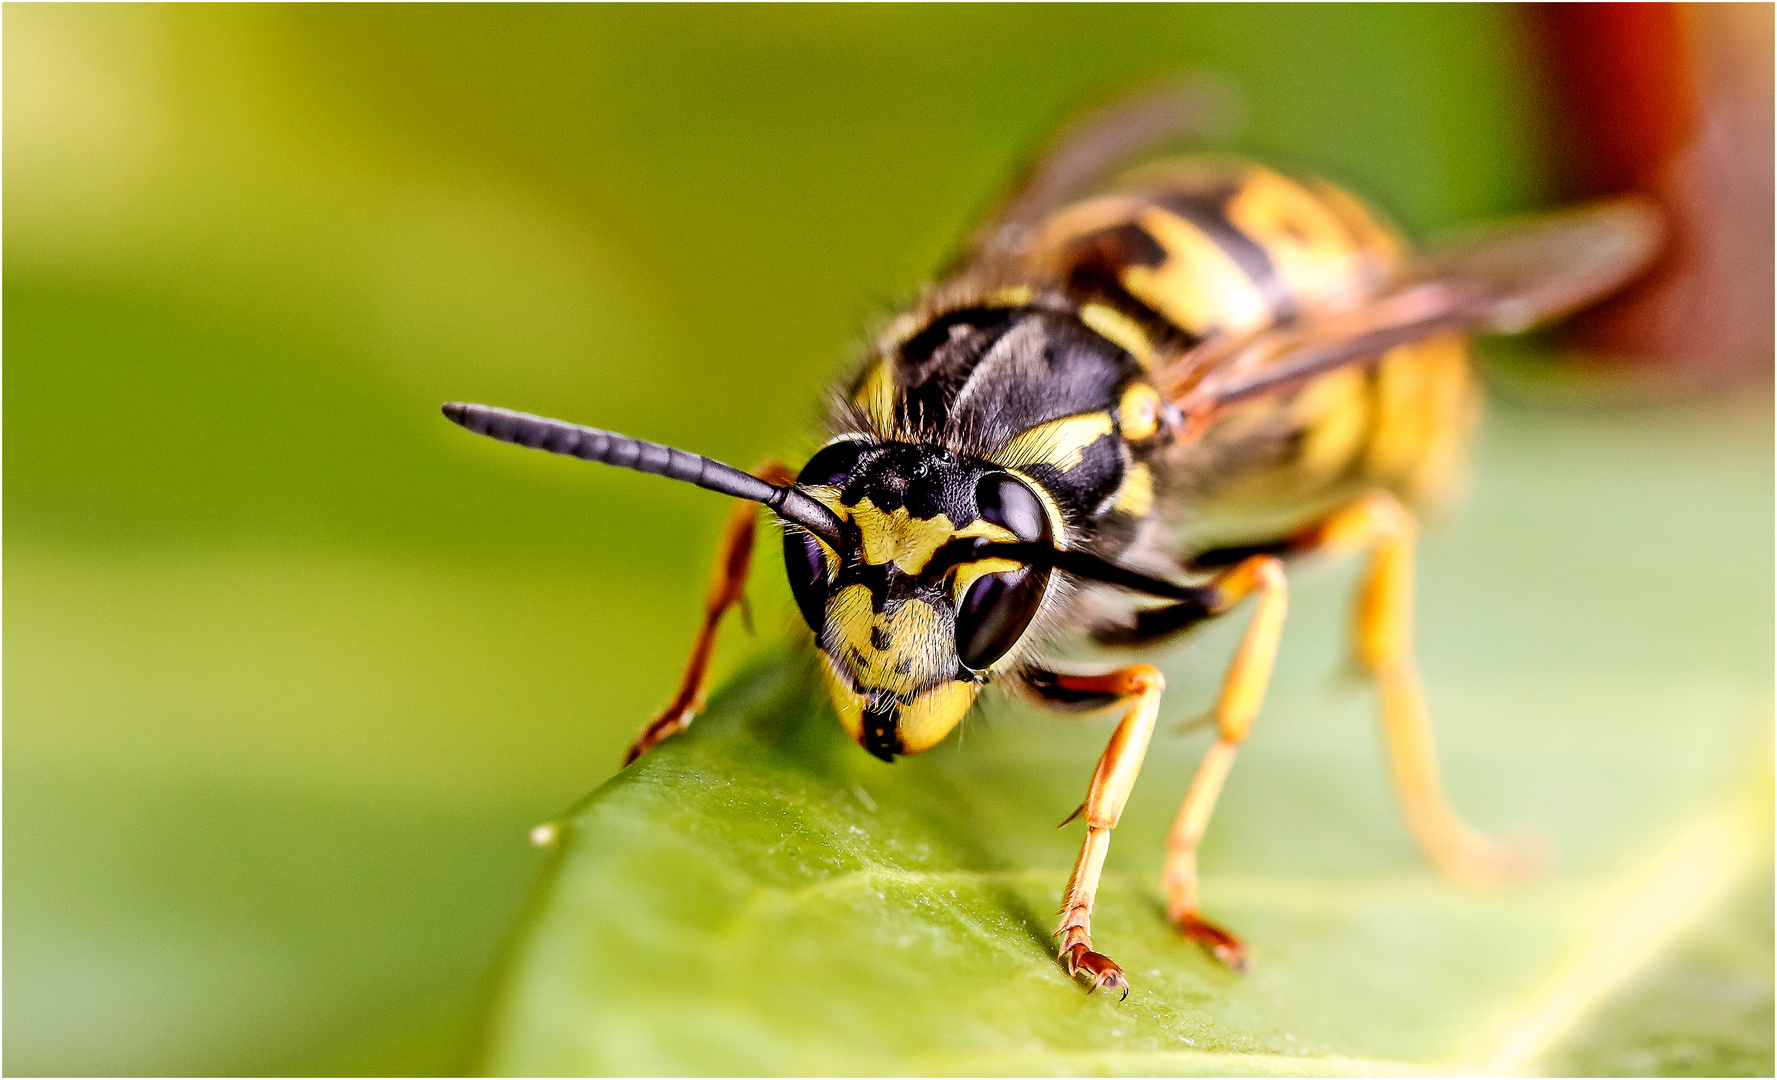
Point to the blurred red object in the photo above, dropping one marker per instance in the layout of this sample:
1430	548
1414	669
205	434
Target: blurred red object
1673	101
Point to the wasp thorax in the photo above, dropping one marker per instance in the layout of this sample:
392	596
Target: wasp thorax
908	639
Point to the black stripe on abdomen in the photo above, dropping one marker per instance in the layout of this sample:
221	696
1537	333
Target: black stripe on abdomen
1095	263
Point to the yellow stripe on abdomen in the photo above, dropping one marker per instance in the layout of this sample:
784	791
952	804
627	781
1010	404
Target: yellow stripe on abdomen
1425	404
1199	288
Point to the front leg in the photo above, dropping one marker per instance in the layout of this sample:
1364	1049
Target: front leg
1140	686
727	588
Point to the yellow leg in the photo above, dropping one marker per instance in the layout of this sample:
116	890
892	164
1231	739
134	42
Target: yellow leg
1112	782
1384	645
727	588
1243	692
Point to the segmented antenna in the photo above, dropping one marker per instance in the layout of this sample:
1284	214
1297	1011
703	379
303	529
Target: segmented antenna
609	448
1081	564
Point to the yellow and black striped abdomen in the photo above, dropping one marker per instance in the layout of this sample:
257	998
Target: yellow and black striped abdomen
1204	249
1214	247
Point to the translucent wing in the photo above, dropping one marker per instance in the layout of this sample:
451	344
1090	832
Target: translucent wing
1500	280
1091	148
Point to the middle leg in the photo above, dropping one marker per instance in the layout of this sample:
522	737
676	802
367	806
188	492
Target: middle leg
1243	692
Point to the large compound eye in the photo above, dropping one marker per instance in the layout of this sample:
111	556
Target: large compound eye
997	608
1009	503
994	614
805	559
832	465
806	567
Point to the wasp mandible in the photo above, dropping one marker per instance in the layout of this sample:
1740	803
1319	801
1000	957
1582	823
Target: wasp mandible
1042	455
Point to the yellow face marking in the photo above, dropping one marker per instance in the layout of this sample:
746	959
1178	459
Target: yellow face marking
848	703
1307	243
911	633
923	722
1138	413
899	537
1059	442
1199	286
903	539
928	718
1136	495
1120	330
969	573
875	397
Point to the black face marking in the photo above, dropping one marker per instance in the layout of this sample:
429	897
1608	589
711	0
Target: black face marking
881	734
926	480
1209	214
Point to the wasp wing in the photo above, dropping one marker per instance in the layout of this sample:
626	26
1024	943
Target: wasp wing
1089	149
1501	280
1530	272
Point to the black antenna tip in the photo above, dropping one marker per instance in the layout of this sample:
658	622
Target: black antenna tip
456	411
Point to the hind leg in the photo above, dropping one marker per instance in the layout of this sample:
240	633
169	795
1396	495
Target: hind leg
1383	638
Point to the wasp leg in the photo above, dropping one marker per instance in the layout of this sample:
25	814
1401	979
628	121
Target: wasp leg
1243	692
1383	641
727	588
1112	782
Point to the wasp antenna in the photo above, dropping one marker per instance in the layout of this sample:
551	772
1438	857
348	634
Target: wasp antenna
1079	563
609	448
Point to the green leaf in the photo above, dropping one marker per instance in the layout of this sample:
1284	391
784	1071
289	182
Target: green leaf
758	896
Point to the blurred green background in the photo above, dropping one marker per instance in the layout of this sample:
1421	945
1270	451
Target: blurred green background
292	663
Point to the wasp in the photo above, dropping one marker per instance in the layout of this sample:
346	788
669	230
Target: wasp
1147	386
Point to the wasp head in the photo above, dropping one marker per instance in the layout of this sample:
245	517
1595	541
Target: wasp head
907	638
